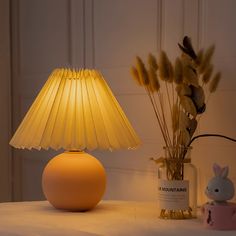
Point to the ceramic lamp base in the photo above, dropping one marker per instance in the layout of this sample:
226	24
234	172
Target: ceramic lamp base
74	181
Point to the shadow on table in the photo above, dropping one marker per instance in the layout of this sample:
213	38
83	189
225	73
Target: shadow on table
100	208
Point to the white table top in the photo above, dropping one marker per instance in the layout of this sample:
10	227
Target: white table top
108	218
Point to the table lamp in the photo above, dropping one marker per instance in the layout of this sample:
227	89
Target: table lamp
75	111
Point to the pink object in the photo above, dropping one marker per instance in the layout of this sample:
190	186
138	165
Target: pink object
220	217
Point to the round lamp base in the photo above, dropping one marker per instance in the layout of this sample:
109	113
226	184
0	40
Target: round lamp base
74	181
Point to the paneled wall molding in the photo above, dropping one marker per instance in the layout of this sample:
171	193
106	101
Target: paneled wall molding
202	18
76	28
159	25
45	35
89	34
16	74
191	20
76	32
162	23
15	28
173	27
5	102
179	18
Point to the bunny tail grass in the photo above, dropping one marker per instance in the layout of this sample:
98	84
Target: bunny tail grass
215	82
152	62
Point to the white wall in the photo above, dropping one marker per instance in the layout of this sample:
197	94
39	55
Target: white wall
107	34
5	103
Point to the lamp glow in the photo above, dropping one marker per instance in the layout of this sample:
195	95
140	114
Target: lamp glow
75	110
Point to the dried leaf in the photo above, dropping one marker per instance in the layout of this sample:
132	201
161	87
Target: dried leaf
192	127
190	77
184	120
188	105
185	137
187	124
183	90
198	96
187	61
188	48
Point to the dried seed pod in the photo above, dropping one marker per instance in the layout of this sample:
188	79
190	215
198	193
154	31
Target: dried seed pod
165	68
215	82
184	120
192	127
188	105
186	90
207	74
178	74
152	62
207	58
142	72
187	61
183	90
190	76
154	82
135	75
187	124
185	137
201	109
198	96
187	47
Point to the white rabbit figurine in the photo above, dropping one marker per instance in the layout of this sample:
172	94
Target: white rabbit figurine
220	214
220	188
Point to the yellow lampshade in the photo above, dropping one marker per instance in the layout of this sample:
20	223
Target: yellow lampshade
75	110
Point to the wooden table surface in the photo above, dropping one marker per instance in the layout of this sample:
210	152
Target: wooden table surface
108	218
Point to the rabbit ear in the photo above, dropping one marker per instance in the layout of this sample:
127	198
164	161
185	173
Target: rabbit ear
217	169
224	172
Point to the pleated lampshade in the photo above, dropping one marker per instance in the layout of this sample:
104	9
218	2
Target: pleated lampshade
75	110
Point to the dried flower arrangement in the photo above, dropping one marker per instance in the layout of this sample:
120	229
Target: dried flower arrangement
182	90
186	84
